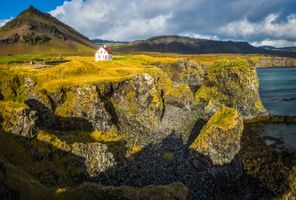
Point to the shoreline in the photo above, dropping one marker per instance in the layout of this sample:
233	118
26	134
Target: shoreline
273	67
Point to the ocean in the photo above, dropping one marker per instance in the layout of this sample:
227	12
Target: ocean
278	94
278	90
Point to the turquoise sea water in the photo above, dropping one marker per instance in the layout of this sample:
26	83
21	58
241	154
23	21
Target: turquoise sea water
278	90
278	94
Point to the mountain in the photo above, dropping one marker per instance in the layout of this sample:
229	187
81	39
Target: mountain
187	45
100	41
283	49
33	31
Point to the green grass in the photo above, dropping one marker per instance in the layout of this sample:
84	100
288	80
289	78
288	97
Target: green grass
13	59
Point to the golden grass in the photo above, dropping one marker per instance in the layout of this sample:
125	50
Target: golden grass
81	70
134	149
105	137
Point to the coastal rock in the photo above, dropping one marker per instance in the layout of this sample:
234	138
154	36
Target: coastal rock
219	139
268	61
235	86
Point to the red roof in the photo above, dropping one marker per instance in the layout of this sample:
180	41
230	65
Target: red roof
107	49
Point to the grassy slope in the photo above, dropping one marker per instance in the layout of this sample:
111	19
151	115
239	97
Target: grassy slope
55	47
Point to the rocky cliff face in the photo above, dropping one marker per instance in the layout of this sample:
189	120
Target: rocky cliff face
234	84
146	129
276	62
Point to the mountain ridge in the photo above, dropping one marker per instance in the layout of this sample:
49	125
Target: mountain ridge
188	45
34	30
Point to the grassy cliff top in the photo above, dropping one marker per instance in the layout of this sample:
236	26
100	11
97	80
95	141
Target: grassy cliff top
81	70
223	121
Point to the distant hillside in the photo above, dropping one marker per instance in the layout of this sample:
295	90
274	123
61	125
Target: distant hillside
284	49
100	41
33	31
187	45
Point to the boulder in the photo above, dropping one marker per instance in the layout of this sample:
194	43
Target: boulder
219	139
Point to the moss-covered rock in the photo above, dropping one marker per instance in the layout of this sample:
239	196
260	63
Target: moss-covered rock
16	118
234	84
219	139
185	72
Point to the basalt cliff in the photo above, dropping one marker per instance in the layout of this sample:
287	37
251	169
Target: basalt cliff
175	131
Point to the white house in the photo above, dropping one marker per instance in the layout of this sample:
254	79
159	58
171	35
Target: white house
103	54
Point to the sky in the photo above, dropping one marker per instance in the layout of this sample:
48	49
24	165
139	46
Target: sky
260	22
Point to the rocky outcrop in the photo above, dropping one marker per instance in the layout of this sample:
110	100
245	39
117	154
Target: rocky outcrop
235	86
185	72
17	119
219	139
97	157
158	117
27	124
276	62
139	106
84	102
27	36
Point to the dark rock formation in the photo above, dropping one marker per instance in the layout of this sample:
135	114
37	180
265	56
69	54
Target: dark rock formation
6	192
174	191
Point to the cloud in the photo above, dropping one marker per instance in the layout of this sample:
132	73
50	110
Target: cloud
4	21
201	36
270	27
114	19
251	20
274	43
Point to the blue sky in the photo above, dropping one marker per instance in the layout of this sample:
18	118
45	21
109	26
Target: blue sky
11	8
260	22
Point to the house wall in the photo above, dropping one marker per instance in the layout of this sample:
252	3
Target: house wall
101	54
